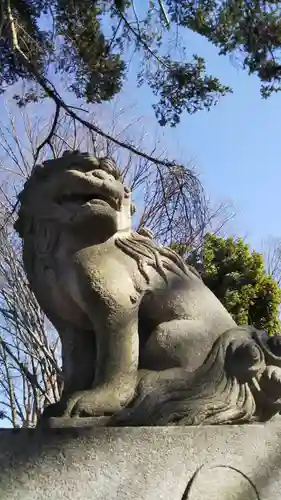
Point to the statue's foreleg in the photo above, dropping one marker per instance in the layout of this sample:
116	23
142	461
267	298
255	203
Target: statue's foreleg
116	363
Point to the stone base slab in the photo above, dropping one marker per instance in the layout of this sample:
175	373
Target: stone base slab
141	463
70	422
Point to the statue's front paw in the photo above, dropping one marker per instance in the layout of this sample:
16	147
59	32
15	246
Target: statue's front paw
96	403
102	400
93	403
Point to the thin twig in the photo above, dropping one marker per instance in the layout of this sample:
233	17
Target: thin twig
47	140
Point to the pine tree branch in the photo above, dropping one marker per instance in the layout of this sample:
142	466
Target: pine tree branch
60	104
53	94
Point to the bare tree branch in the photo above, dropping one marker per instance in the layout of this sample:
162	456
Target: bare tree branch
271	249
47	140
51	92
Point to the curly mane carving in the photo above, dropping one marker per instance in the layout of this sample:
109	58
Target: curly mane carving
147	253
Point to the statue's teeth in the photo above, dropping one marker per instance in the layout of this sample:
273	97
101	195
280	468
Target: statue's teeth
256	384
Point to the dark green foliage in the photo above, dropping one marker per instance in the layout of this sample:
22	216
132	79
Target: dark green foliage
31	40
76	47
249	28
237	277
87	43
85	52
183	87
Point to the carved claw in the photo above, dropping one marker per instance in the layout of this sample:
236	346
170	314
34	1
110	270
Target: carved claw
244	360
270	383
96	402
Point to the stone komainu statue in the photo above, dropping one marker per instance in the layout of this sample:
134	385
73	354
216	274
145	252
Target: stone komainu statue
130	313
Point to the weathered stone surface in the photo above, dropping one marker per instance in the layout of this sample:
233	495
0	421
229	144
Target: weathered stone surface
67	422
118	300
194	463
142	337
239	382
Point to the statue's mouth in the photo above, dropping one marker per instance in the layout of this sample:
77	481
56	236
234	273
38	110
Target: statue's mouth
90	199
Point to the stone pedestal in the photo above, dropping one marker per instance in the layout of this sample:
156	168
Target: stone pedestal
195	463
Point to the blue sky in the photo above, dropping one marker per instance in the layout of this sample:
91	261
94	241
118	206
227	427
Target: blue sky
234	146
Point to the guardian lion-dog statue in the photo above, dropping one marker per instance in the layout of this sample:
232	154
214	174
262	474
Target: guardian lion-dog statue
121	303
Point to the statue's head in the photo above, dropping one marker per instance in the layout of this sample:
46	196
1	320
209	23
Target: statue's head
75	191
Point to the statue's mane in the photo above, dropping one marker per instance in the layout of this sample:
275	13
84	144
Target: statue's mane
41	237
147	253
